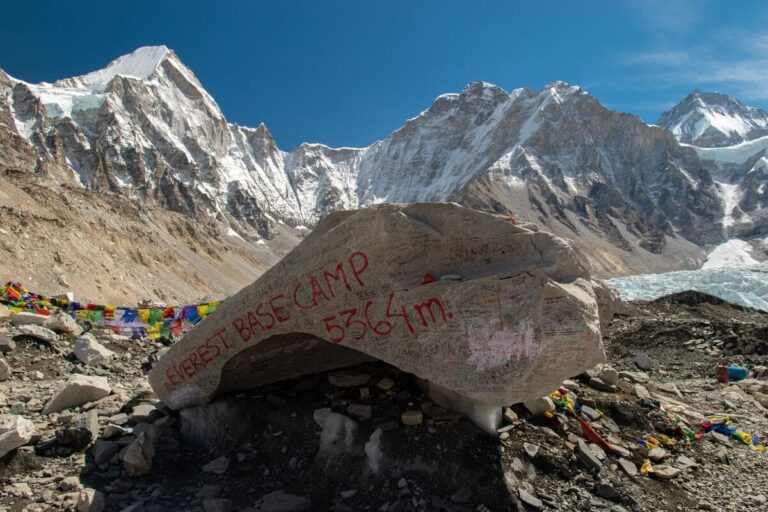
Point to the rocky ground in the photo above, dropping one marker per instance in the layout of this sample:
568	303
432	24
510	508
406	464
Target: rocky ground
83	431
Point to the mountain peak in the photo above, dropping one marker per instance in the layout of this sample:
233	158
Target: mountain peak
140	63
714	119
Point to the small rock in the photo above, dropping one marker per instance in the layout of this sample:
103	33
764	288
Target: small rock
666	472
347	379
529	499
103	450
590	413
360	411
217	505
26	318
607	491
601	385
531	449
15	431
348	494
91	352
144	413
90	500
642	392
644	361
385	384
38	332
657	454
635	377
587	456
720	438
78	390
280	501
609	375
705	505
217	466
628	467
137	459
63	323
69	483
539	406
412	418
571	385
209	491
686	462
80	431
509	415
7	344
5	370
462	495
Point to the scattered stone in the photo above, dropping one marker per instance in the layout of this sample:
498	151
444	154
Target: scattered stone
348	494
571	385
5	370
90	500
462	495
7	344
628	467
137	458
539	406
103	451
15	432
721	438
510	416
686	462
657	454
217	505
590	413
63	323
587	457
69	483
348	379
144	413
644	361
609	375
666	472
529	499
26	318
80	431
280	501
601	385
607	491
635	377
38	332
412	418
217	466
209	491
670	387
78	390
360	411
642	392
385	384
91	352
705	505
531	449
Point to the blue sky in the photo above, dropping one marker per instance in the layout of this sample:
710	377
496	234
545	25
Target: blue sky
346	73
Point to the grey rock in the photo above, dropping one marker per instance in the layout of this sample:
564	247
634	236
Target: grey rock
607	491
657	454
137	458
346	379
539	406
529	499
609	375
6	344
90	500
217	505
599	384
79	432
63	323
5	369
15	431
217	466
91	352
644	361
628	467
587	456
103	450
280	501
360	411
38	332
590	413
77	391
666	472
209	491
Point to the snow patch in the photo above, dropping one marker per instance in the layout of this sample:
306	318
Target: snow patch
733	253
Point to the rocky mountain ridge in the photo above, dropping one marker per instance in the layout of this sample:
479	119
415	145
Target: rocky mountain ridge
632	197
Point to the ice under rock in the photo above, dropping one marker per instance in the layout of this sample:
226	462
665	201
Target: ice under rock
746	286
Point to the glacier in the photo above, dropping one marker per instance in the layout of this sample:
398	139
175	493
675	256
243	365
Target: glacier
745	286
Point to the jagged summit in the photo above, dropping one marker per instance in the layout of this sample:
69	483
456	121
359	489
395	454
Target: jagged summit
140	63
714	119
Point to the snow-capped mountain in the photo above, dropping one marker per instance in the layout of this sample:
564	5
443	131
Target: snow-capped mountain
713	119
629	194
731	139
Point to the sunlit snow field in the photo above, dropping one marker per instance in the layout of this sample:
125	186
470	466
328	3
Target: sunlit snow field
730	273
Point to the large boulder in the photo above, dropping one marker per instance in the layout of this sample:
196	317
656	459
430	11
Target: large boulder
467	300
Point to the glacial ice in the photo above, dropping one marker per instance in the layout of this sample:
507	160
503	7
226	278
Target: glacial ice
746	286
